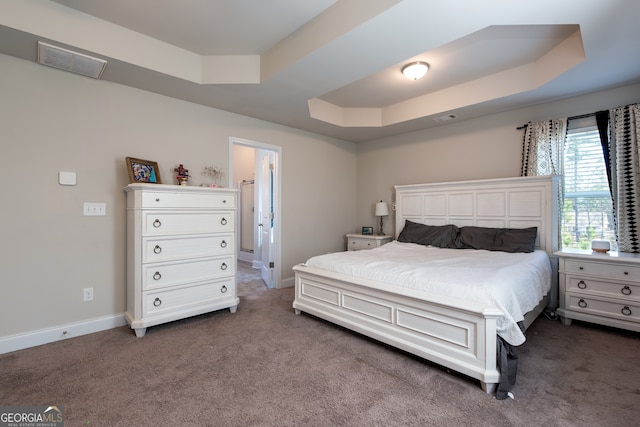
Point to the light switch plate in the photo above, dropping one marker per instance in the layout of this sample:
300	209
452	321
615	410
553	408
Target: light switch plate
95	209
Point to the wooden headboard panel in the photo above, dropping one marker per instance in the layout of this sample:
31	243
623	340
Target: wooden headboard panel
499	203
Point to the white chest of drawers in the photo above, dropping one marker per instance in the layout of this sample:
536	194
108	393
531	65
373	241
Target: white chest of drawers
600	288
358	242
181	253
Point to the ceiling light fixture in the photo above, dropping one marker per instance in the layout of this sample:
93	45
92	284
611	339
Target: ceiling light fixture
415	70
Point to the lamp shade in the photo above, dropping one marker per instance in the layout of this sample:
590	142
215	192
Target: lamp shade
382	209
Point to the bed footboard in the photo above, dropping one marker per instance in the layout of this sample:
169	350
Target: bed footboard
457	335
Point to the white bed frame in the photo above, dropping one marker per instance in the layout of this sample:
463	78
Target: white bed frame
456	334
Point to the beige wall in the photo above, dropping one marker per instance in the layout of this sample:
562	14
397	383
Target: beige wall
487	147
53	121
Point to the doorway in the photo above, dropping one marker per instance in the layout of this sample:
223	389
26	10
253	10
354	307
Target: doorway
258	163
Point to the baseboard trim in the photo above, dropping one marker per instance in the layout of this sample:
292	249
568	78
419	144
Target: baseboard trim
288	282
61	332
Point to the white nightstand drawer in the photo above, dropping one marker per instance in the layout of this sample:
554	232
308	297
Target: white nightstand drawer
601	307
603	269
168	223
591	286
358	242
169	301
161	200
156	249
169	274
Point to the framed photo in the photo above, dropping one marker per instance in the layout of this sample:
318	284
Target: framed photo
143	171
367	230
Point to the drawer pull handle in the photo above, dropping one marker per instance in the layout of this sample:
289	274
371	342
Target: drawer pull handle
157	302
224	201
581	268
626	290
582	285
626	310
157	249
223	221
157	223
158	199
157	276
223	244
223	289
626	273
223	266
582	303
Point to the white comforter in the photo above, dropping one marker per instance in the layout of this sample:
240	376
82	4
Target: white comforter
512	282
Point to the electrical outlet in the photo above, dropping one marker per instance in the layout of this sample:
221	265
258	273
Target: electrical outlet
88	294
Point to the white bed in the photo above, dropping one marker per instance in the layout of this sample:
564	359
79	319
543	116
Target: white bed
440	327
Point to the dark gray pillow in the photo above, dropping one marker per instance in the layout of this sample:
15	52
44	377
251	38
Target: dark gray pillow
498	239
441	236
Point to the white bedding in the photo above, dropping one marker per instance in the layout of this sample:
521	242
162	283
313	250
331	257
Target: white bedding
512	282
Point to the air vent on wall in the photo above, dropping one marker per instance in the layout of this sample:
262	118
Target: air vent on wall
67	60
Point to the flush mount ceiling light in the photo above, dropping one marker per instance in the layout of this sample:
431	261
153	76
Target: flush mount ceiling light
67	60
415	70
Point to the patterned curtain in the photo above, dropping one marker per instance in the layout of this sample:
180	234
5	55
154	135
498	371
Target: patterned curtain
543	148
624	156
543	154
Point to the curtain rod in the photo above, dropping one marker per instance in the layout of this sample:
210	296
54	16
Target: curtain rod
581	116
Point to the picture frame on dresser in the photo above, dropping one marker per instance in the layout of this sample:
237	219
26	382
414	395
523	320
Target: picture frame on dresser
145	171
367	231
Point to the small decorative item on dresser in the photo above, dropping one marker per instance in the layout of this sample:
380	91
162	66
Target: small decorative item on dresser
602	246
143	171
182	175
215	173
367	231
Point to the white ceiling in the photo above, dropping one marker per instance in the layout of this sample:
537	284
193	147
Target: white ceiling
333	66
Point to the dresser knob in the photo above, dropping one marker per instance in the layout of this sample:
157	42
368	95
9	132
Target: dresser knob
158	199
223	244
157	249
223	289
582	285
157	276
582	303
626	290
581	268
157	223
224	201
223	221
223	266
157	302
626	273
626	310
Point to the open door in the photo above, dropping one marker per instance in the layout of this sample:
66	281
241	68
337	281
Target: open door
267	252
267	216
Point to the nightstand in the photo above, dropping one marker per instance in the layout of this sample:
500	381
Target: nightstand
600	288
357	242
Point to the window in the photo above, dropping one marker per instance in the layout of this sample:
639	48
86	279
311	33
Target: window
588	212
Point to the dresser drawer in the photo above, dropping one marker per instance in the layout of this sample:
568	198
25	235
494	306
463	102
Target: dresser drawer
593	286
171	300
169	274
200	200
156	249
608	270
168	223
603	307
